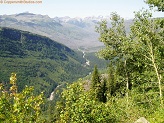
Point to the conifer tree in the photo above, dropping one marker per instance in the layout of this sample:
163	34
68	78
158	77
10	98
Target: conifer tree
95	82
103	91
99	86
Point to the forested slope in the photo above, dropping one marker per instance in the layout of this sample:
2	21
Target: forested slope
37	60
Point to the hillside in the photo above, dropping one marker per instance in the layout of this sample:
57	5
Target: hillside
37	60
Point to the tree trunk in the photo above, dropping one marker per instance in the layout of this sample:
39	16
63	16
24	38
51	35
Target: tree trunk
127	83
156	71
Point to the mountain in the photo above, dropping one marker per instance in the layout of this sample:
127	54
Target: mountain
72	32
37	60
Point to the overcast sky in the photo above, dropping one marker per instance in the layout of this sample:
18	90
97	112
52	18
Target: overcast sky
78	8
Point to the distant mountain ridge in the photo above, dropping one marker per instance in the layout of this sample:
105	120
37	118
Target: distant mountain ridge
72	32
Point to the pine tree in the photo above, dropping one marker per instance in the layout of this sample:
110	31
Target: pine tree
99	86
103	91
95	82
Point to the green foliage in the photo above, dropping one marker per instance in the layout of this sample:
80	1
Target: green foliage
81	107
95	78
118	50
114	38
38	61
92	57
134	55
156	3
132	87
19	107
103	91
136	62
157	116
98	86
114	84
147	36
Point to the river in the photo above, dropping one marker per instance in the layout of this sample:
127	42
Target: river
87	63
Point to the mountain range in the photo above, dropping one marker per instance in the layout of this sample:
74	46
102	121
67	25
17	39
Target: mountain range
72	32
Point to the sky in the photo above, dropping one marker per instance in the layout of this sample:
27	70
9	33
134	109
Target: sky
77	8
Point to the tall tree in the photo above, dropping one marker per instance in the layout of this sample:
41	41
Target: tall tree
117	45
95	82
103	91
150	45
96	85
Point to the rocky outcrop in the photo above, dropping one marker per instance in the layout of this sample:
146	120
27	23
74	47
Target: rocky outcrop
142	120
